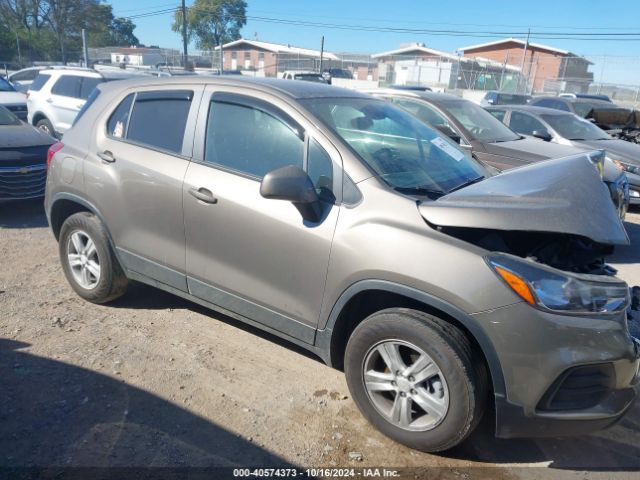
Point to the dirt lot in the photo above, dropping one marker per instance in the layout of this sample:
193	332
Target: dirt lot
153	380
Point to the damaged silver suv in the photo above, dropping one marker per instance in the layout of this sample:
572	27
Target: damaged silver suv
345	225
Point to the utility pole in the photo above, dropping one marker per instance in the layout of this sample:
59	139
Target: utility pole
184	36
19	53
85	50
321	53
524	56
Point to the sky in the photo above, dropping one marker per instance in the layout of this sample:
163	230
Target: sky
615	60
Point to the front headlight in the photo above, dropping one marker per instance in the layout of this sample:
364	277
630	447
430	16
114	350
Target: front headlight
627	167
557	291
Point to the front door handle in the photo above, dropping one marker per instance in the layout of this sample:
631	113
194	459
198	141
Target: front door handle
107	156
203	194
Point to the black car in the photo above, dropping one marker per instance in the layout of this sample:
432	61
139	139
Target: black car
569	129
23	158
331	73
504	98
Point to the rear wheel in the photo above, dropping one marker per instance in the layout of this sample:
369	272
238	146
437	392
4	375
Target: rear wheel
45	126
88	261
413	376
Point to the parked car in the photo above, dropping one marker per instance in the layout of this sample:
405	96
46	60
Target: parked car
22	79
489	140
305	76
13	100
57	94
361	234
331	73
587	96
580	106
416	88
568	129
504	98
23	155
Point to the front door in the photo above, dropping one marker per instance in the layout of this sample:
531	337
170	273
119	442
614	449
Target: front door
252	256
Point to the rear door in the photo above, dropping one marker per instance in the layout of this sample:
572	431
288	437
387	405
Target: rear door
65	101
252	256
135	172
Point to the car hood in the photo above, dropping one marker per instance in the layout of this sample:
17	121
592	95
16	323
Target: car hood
11	98
564	195
530	149
616	149
23	135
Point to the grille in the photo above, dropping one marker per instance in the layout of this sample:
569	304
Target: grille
579	388
24	156
22	182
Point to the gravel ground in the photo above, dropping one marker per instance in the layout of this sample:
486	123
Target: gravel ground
153	380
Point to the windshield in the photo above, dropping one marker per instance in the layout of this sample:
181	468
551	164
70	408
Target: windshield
5	86
513	99
583	108
574	128
8	118
308	77
479	123
404	152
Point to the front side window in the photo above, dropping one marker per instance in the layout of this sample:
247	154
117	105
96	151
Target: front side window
525	124
423	112
67	86
250	140
401	150
479	123
583	108
575	128
158	119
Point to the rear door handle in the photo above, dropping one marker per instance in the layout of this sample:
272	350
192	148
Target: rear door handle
49	100
107	156
203	194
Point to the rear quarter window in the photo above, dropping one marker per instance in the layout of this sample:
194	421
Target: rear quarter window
39	82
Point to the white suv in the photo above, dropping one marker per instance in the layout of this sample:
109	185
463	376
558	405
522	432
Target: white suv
57	94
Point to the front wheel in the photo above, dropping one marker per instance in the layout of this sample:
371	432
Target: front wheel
46	126
88	260
413	377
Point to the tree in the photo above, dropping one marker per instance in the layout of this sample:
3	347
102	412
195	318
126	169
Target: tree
213	22
121	30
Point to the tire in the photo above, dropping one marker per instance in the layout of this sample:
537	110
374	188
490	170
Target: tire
45	126
94	273
454	392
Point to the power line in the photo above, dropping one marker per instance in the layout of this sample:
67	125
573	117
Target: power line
592	36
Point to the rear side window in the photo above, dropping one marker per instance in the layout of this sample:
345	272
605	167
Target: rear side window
87	86
67	86
158	119
39	82
525	124
499	114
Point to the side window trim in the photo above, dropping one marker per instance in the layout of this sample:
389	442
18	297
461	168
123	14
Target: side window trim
200	128
188	141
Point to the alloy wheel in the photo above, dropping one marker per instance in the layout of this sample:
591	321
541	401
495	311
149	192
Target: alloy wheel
405	385
83	259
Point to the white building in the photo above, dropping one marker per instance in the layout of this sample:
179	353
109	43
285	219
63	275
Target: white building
136	56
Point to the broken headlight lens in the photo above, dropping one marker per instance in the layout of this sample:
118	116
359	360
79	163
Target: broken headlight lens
557	291
627	167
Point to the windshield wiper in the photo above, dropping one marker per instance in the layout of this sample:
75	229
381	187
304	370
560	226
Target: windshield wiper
420	190
466	184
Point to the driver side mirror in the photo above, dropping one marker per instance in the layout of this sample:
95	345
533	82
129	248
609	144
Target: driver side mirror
448	131
291	183
542	135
